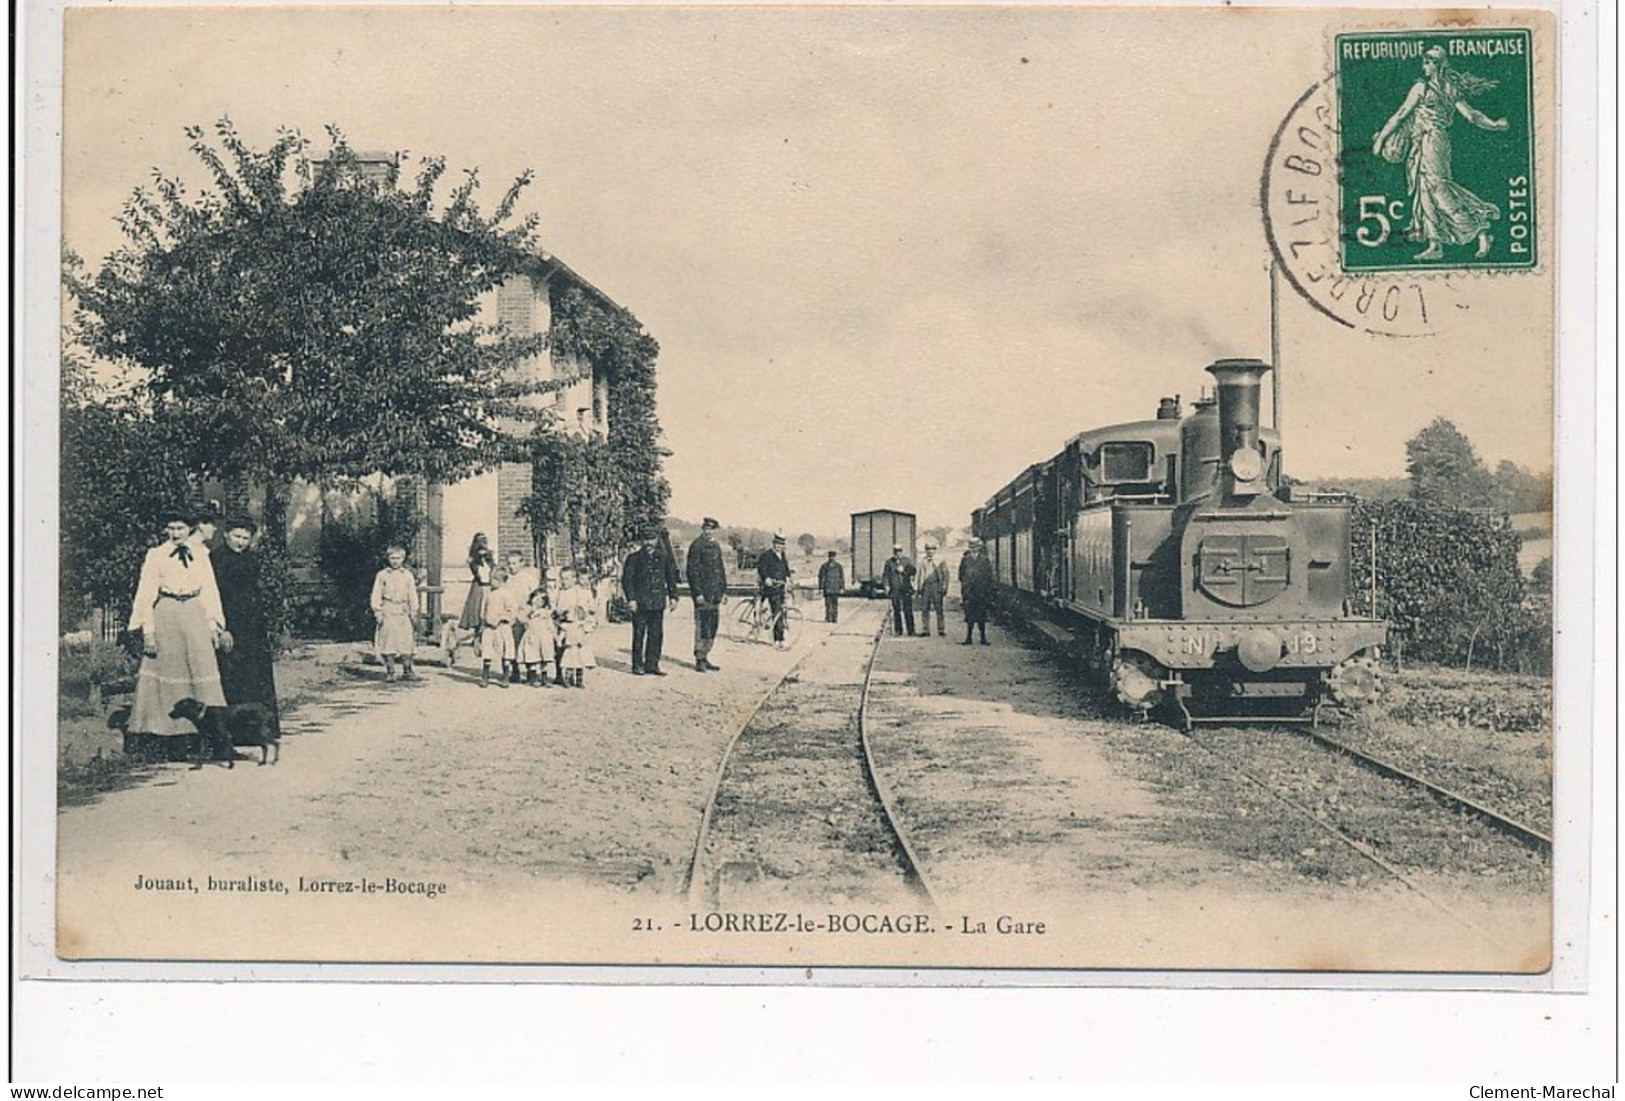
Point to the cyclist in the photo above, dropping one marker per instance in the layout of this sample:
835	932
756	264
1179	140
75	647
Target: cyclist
773	575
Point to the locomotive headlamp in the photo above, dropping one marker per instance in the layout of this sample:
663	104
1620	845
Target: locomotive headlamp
1247	465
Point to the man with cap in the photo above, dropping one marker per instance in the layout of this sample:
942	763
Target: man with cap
933	589
898	577
773	577
708	585
832	583
977	588
649	581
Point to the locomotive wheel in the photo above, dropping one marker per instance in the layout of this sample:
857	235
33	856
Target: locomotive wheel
1355	682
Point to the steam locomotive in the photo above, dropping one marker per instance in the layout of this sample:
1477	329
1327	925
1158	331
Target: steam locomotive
1179	557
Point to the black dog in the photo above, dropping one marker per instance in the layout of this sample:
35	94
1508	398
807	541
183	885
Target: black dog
221	728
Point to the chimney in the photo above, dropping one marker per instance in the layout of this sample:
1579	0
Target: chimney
1168	409
1240	387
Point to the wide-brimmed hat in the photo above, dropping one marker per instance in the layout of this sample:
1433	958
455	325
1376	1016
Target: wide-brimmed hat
179	510
897	546
778	536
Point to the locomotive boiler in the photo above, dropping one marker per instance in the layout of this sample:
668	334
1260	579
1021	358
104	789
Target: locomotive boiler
1178	555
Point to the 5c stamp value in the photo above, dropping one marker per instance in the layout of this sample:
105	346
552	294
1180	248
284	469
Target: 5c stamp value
1437	150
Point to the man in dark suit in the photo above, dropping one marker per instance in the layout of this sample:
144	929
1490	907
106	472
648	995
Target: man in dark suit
708	585
773	577
649	582
832	583
898	577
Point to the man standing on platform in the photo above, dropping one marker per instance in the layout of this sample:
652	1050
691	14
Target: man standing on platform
977	588
773	578
649	581
708	585
832	583
933	589
898	577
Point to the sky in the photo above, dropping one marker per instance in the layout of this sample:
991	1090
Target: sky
892	256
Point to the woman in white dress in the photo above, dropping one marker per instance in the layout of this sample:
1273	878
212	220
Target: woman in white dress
177	610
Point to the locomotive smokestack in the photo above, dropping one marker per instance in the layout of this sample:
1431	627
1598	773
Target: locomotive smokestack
1240	389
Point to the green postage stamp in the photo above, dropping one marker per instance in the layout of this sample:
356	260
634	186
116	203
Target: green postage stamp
1438	150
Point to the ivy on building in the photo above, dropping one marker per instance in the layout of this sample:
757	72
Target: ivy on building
597	491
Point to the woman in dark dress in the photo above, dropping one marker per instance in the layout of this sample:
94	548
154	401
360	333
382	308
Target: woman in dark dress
246	655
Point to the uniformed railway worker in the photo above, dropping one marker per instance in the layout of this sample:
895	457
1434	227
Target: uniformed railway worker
933	590
773	578
832	583
649	581
898	577
708	586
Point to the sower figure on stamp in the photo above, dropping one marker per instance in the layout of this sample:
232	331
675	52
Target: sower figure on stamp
832	583
772	579
898	577
976	589
933	590
1442	211
708	585
649	580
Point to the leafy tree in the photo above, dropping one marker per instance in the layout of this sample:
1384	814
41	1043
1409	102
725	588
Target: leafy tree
1540	578
1444	468
1518	489
808	542
312	317
117	480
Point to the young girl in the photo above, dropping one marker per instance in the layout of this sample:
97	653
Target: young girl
574	610
480	564
394	605
496	641
536	648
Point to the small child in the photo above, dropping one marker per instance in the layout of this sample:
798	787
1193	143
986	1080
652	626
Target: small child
394	605
577	617
496	642
536	647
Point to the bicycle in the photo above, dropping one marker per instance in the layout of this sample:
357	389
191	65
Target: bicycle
754	620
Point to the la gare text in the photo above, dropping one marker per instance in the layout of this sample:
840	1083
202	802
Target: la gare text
780	921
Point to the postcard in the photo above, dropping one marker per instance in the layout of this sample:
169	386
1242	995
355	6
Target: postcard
1049	491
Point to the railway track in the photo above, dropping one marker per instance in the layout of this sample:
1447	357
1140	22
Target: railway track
797	805
1504	823
1367	847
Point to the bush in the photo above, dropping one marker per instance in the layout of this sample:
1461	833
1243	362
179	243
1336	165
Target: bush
82	670
353	550
1448	580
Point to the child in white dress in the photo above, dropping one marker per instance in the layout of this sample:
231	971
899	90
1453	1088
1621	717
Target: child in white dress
536	647
575	611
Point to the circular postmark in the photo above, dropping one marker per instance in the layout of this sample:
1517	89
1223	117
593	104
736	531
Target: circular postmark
1302	221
